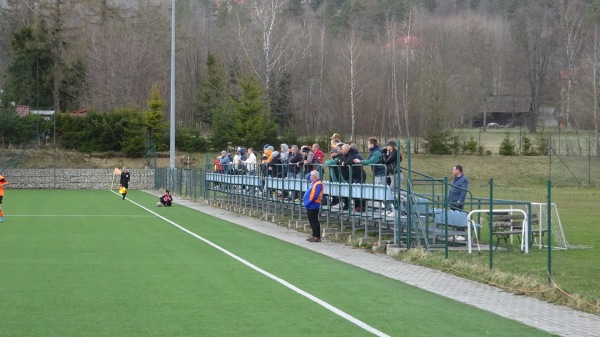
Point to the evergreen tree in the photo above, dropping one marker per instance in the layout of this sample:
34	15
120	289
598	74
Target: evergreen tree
507	147
253	125
154	119
280	99
222	132
212	91
29	75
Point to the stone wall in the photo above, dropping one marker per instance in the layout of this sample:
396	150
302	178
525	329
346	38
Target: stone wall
76	178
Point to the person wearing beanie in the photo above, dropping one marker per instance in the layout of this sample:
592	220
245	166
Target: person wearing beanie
285	152
276	166
312	203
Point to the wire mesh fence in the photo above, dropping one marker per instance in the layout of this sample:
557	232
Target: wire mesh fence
574	160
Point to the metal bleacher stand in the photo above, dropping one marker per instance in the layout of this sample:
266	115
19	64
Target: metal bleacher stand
421	217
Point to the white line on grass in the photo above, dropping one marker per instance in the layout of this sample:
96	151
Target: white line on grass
81	215
315	299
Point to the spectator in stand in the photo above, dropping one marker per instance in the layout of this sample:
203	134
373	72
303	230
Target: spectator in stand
334	174
375	159
309	159
294	163
336	139
458	189
285	154
217	165
237	157
351	172
225	162
358	155
269	152
390	159
250	162
318	153
276	166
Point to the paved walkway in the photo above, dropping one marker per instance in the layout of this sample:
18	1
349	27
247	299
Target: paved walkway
538	314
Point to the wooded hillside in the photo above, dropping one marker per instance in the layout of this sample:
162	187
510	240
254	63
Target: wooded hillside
399	68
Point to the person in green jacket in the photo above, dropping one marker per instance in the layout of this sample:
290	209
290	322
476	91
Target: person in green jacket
375	160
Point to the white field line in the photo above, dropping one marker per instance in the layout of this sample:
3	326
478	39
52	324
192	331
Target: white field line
80	215
313	298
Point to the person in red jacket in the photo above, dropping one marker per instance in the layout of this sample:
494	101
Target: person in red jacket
318	153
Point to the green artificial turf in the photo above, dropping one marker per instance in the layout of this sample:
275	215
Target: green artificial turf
86	263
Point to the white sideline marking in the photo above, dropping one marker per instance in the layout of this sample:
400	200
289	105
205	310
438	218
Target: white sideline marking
313	298
80	215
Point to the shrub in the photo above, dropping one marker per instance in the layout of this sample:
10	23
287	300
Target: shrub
190	140
454	145
542	144
528	149
438	144
507	147
471	146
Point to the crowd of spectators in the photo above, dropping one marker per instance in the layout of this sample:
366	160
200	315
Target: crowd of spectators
346	164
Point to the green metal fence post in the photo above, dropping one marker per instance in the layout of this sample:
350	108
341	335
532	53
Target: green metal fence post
409	193
446	217
491	222
549	215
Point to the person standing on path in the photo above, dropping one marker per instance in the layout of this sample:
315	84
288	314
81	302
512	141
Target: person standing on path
312	202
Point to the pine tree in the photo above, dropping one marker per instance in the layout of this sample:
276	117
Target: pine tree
507	147
154	119
280	101
253	125
222	132
212	91
29	75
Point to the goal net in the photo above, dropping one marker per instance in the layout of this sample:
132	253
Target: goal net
559	240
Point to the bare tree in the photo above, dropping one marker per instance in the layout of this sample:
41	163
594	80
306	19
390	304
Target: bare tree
352	53
479	52
572	25
535	38
277	38
125	59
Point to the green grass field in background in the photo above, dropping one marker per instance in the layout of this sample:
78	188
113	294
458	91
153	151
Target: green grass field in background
86	263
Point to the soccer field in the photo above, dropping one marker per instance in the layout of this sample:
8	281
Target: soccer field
86	263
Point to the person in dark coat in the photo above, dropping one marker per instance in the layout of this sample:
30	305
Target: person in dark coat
124	181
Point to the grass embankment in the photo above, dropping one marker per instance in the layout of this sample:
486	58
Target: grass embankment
574	271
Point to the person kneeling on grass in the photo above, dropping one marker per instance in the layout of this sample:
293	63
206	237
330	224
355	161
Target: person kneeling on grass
165	200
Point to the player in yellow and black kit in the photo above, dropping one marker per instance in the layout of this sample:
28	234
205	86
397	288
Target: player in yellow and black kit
124	181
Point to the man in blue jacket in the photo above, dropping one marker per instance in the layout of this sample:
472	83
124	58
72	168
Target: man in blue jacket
312	202
458	189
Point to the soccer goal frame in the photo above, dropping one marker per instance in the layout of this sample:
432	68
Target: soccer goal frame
558	234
